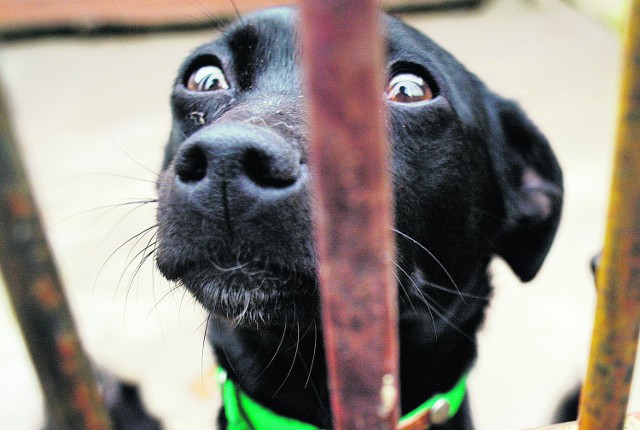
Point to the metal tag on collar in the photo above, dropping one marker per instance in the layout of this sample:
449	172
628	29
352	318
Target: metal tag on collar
438	414
436	411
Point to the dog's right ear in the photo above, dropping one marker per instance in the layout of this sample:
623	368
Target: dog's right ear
530	182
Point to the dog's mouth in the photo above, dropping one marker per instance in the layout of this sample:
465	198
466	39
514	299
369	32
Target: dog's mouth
250	293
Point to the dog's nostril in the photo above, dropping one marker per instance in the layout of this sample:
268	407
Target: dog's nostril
192	165
268	171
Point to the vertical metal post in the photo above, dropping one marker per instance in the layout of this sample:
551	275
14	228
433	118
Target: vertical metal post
615	336
343	61
71	394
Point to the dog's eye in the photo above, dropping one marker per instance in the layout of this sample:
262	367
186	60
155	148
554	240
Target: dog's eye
207	78
408	88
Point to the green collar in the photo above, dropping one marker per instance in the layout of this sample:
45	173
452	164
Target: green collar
243	413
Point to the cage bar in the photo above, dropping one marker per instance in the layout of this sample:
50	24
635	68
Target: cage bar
35	291
351	194
615	336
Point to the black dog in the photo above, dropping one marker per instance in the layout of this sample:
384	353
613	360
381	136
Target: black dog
473	178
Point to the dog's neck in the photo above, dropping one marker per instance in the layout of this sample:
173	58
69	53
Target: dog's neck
276	369
285	370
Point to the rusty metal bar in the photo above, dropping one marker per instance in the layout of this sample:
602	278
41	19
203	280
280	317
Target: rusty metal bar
343	61
71	394
617	321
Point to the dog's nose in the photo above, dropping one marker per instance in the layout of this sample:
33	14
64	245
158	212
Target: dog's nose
248	161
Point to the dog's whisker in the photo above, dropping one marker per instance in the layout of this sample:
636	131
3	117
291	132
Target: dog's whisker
226	354
139	164
130	261
115	175
123	244
300	337
134	276
440	312
424	248
107	208
237	11
404	290
452	291
420	292
293	362
184	295
144	249
158	302
151	243
275	354
310	381
202	347
441	287
137	236
155	308
209	17
153	247
124	217
313	354
154	272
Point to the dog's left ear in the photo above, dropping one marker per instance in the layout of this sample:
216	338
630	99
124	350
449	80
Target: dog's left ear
531	184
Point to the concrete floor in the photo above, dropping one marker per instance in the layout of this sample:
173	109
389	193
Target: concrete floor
93	116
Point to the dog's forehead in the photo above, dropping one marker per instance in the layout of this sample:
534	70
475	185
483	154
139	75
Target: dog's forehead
405	43
266	28
274	33
261	46
262	50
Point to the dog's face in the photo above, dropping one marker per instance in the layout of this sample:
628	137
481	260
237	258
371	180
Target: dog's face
473	177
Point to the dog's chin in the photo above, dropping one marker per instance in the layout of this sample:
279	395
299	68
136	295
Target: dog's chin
253	297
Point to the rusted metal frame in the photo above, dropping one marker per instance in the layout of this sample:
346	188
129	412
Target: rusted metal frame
71	394
343	61
24	18
617	321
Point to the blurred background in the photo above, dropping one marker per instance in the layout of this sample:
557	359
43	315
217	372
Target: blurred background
90	108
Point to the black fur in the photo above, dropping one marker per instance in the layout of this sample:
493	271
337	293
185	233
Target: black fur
473	178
